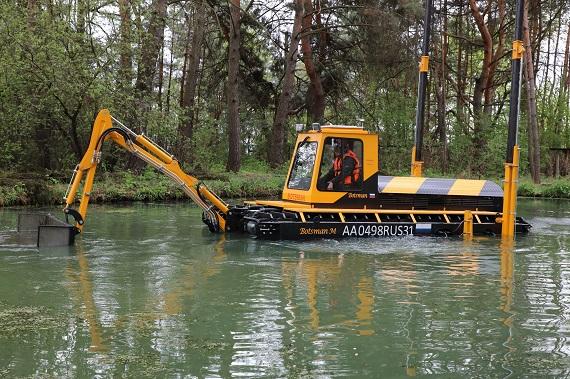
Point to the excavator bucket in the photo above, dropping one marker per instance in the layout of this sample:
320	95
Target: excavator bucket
48	230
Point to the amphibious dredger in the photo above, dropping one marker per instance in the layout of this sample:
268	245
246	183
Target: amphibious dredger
371	205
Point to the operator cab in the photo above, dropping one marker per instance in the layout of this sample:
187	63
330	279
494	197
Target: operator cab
340	156
316	171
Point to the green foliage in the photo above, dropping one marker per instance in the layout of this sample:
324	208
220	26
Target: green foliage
529	189
27	189
558	188
127	186
55	76
495	152
51	84
210	147
154	186
13	195
554	116
247	185
256	180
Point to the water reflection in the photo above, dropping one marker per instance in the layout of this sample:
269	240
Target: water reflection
465	263
181	302
81	291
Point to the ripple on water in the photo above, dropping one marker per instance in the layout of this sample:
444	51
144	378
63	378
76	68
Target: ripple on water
550	226
379	246
192	303
258	336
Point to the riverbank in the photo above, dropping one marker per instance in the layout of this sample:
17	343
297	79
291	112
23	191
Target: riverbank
549	188
35	189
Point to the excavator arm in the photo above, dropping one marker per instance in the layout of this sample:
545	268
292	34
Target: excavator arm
214	209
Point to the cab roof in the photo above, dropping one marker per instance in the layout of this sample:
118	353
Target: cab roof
343	129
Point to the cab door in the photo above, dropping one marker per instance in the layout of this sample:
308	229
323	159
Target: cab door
303	169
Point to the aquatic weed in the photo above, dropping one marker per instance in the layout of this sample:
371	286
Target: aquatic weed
198	343
26	319
146	365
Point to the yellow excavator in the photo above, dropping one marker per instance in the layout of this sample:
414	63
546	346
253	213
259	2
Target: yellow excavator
322	198
367	204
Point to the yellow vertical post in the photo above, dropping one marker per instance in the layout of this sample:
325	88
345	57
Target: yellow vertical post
422	89
510	196
416	165
512	161
468	225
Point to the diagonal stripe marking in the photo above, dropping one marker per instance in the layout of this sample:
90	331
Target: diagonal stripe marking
464	187
404	184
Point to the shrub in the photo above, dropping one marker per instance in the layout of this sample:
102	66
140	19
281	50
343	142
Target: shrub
558	188
528	189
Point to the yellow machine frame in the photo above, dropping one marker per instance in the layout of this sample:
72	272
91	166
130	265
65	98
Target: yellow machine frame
139	145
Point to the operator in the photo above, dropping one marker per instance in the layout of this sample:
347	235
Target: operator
345	171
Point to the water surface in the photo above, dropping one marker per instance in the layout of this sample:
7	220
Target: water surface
148	291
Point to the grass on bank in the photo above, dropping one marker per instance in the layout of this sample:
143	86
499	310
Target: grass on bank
149	185
549	188
253	181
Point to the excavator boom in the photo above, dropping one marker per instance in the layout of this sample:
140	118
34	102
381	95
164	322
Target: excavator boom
214	208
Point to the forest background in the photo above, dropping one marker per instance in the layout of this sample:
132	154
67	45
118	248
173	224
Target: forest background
222	83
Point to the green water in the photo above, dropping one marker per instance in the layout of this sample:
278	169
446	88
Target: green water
148	292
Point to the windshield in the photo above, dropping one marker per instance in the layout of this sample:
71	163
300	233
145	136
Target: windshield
303	165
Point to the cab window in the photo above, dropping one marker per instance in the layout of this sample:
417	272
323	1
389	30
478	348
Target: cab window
303	165
341	165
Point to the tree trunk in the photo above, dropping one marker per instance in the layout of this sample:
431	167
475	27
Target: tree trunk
150	51
441	98
275	150
558	29
170	69
481	82
460	88
185	64
125	51
315	93
194	56
234	154
32	13
81	15
535	28
566	69
124	78
562	101
532	128
160	75
323	32
495	60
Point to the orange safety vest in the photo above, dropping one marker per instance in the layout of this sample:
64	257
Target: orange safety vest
337	167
